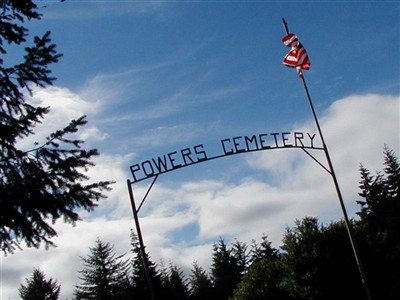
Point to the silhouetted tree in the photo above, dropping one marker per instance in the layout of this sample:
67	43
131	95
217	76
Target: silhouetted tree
262	281
140	288
241	257
319	262
264	277
228	266
104	276
174	284
263	250
41	184
38	288
200	284
380	216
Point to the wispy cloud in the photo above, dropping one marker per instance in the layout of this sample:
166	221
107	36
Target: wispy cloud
93	9
135	97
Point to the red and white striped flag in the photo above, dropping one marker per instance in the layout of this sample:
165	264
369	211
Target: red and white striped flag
297	56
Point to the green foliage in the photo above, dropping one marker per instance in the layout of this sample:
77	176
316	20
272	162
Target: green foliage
380	206
201	286
104	276
264	250
302	245
228	266
45	183
318	257
265	276
174	284
262	281
380	217
38	288
139	280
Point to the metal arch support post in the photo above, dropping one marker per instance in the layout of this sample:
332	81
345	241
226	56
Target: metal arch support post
339	194
141	243
331	171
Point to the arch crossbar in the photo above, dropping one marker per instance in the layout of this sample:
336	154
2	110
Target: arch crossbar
229	146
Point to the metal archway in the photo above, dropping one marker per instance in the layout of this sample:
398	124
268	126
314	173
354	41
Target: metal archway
242	144
154	167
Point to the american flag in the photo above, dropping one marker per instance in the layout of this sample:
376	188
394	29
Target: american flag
297	56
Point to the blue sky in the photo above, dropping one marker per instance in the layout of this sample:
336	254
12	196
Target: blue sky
159	76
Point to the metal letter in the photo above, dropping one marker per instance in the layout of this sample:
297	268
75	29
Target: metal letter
298	136
311	139
276	140
134	168
223	146
237	144
144	169
186	153
262	141
284	139
253	139
172	160
202	152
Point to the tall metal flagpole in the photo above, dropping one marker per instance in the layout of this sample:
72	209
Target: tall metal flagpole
339	194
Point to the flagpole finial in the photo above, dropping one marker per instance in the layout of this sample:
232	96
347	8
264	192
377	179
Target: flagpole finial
285	25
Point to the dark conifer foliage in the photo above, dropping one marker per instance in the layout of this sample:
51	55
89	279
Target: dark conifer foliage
174	284
38	288
264	250
265	276
105	275
45	182
380	220
318	258
140	285
200	284
228	266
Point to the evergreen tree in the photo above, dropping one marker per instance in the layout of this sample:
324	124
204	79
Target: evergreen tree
200	285
380	217
174	285
302	261
40	184
319	258
265	275
380	207
104	276
140	284
38	288
228	267
241	257
264	250
262	281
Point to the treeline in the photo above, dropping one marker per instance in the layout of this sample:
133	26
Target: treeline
315	260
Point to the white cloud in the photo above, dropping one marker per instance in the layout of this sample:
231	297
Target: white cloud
92	133
63	262
355	128
64	107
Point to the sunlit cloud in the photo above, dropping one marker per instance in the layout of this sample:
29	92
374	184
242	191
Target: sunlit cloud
64	107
